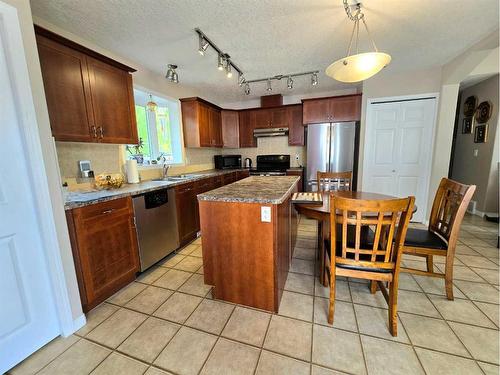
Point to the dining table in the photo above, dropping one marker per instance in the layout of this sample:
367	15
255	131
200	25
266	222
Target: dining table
321	213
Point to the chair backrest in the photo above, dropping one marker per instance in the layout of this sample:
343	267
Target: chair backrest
378	228
331	181
448	209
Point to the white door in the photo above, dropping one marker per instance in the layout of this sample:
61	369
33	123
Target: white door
28	318
398	148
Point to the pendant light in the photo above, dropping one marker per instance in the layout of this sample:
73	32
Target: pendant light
360	66
151	105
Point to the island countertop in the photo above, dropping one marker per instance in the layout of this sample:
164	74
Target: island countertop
254	189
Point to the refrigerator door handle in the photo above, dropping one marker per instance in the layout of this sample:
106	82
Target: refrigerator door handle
328	143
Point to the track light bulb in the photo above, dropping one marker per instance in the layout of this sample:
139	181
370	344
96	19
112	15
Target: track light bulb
247	89
203	45
229	73
289	82
314	79
269	87
220	62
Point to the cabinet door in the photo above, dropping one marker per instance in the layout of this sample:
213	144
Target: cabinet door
66	83
243	174
215	128
261	118
187	212
279	118
107	248
246	130
112	102
295	127
316	111
230	129
204	125
346	108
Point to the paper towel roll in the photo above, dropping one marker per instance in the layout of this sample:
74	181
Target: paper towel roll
132	171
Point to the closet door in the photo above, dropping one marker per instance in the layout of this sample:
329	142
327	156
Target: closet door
398	150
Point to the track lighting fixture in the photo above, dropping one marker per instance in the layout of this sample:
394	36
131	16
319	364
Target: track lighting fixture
229	74
241	79
203	45
172	75
220	62
247	89
289	82
314	79
269	87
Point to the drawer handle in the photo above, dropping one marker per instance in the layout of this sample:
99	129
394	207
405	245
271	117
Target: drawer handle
94	131
101	132
108	211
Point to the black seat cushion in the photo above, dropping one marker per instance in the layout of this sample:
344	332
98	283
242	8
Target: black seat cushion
424	238
351	232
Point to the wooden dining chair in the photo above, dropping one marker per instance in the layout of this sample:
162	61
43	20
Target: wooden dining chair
328	181
440	238
377	258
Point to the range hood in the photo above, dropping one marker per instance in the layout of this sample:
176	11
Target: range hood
270	132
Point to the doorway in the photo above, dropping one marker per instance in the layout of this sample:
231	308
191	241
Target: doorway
398	148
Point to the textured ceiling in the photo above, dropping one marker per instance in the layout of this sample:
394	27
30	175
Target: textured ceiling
269	37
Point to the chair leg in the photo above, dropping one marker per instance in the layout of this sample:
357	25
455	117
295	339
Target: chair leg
393	309
448	277
430	263
373	287
331	306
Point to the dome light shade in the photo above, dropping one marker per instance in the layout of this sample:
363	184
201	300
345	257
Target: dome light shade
356	68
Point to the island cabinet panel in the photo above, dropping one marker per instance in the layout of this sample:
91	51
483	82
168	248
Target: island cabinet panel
187	212
237	261
243	174
202	123
89	96
333	109
105	249
230	129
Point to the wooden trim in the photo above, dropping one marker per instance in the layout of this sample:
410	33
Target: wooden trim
198	99
422	273
331	97
69	43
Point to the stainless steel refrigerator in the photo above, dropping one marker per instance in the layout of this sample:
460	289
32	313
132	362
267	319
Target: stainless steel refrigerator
331	147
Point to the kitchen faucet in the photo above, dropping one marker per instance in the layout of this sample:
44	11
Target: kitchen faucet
166	167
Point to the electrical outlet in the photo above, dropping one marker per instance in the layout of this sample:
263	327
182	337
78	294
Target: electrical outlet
297	157
476	152
265	214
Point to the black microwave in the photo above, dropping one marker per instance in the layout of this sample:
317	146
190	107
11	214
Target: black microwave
227	161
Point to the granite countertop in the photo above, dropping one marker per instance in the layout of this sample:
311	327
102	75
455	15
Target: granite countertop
254	189
74	199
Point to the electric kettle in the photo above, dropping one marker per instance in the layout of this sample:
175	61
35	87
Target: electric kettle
248	163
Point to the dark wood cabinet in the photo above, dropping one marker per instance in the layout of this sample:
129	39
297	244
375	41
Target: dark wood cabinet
187	212
229	178
279	117
202	123
333	109
105	251
89	96
295	127
230	129
246	129
243	174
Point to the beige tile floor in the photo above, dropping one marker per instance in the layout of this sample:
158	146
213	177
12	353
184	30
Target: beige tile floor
167	322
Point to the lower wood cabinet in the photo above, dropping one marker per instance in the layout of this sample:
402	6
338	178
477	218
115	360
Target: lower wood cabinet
104	247
187	212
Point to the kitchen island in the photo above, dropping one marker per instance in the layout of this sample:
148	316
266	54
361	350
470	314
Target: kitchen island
248	231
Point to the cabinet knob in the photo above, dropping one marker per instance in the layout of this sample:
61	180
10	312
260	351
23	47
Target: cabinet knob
101	132
94	131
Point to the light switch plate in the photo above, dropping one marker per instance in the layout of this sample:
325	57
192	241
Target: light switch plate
265	214
476	152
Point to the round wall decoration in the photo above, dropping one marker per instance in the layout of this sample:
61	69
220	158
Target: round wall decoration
483	112
470	105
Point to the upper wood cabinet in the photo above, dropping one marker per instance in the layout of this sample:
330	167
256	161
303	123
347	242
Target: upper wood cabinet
295	127
201	123
247	125
105	251
334	109
230	129
89	96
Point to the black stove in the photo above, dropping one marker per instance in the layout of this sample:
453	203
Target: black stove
271	165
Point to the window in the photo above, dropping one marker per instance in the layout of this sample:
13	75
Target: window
158	130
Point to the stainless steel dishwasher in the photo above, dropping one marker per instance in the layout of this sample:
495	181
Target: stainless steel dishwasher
156	223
